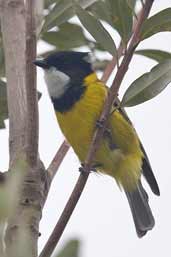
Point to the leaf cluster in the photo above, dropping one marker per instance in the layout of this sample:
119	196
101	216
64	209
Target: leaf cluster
70	249
99	18
119	15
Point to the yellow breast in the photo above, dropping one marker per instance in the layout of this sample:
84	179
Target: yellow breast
79	123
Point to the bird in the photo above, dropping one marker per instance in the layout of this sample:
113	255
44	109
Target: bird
78	98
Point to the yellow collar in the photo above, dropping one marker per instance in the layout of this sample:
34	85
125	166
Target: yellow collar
90	79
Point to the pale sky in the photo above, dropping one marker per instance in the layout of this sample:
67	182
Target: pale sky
102	218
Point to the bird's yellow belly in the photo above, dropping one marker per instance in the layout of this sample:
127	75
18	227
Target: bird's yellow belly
79	133
78	126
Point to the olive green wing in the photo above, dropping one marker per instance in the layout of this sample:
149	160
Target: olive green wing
146	167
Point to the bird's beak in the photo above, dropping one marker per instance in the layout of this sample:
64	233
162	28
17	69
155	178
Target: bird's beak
41	63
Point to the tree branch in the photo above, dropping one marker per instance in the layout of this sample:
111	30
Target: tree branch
60	226
53	167
110	67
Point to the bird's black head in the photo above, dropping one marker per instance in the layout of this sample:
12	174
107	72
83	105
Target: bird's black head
64	75
76	65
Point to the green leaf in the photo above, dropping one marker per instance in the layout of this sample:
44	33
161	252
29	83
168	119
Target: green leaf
117	13
2	124
121	15
62	39
158	23
148	85
157	55
48	3
71	249
96	29
3	104
58	10
61	19
62	12
101	11
131	4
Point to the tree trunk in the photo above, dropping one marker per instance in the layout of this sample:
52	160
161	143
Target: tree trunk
19	40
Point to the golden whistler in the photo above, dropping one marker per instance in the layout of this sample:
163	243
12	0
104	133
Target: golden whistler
78	98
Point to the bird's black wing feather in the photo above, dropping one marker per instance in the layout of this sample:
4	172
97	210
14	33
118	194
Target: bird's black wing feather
146	167
148	174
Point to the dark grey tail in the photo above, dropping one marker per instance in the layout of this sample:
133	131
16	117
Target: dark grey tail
141	212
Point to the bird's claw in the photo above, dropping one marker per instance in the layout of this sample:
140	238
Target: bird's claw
107	134
100	123
82	169
93	168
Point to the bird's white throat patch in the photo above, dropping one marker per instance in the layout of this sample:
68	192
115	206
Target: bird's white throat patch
57	82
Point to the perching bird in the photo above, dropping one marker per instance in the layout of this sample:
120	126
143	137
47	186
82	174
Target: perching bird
78	98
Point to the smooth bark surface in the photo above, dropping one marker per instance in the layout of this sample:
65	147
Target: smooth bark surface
19	40
13	20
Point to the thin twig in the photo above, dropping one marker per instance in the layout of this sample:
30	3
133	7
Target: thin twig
53	167
60	226
110	67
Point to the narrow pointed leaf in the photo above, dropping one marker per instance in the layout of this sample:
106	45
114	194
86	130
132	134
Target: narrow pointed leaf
71	249
121	15
47	3
96	29
117	13
58	10
85	3
131	4
64	17
157	55
157	23
62	12
148	85
101	11
2	123
62	39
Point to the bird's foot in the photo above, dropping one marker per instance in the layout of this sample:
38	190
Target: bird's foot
93	168
82	169
107	134
100	124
